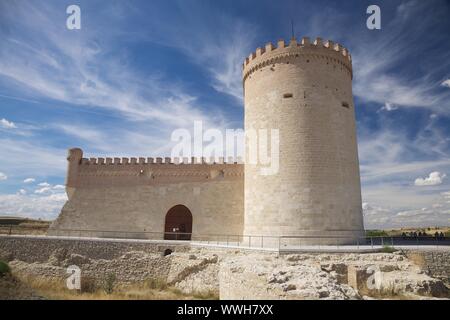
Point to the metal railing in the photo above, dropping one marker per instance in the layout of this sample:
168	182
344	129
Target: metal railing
252	241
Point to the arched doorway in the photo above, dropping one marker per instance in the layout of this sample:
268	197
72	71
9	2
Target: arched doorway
178	224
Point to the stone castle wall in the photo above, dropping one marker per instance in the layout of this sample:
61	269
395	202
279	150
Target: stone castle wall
305	91
135	195
40	248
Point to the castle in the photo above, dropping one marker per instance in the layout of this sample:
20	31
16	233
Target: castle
303	89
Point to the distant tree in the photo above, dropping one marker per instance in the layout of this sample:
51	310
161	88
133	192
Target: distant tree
376	233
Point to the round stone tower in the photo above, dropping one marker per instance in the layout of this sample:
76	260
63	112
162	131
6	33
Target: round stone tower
303	90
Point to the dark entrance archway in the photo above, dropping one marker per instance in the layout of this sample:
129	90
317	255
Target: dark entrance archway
178	224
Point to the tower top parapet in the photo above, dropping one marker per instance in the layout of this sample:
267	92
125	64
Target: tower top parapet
271	54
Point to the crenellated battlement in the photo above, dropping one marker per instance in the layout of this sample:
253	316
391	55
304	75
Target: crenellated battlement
146	171
270	54
157	161
75	156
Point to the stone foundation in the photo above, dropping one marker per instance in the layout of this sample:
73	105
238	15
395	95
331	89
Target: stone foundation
234	274
39	249
435	263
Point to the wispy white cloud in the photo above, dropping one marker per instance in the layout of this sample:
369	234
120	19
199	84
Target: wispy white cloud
446	83
226	58
3	176
83	132
381	217
118	141
44	184
41	61
382	61
26	158
78	69
43	190
390	158
29	180
374	63
405	207
219	46
45	202
18	98
32	206
7	124
388	107
48	188
390	153
434	178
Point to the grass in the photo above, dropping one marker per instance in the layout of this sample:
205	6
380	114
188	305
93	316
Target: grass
376	233
4	268
210	295
387	292
26	227
152	289
109	283
156	284
388	249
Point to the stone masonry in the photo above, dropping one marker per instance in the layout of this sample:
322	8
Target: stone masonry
305	91
232	273
301	89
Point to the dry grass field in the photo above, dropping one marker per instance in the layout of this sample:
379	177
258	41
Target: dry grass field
25	288
430	231
11	225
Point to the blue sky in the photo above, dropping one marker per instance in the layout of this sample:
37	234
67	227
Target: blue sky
137	70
